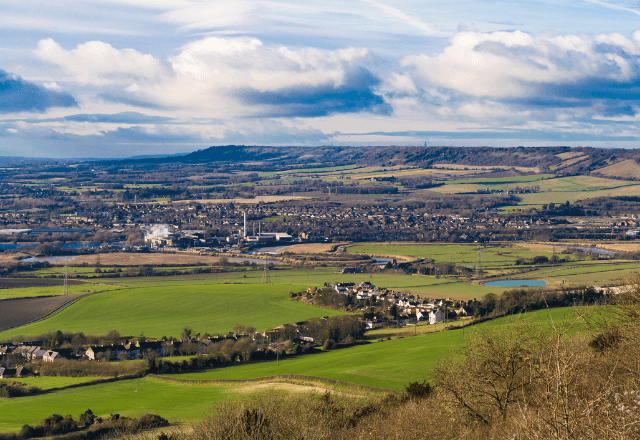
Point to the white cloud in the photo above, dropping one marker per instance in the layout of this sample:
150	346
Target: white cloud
208	71
401	84
99	63
510	64
52	86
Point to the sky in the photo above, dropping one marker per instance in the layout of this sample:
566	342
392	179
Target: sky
121	78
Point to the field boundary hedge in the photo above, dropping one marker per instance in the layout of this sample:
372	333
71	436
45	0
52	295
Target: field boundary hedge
285	378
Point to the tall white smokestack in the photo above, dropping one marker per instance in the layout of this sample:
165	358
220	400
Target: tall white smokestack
245	224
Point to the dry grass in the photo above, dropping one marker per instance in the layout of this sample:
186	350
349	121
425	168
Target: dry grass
12	257
139	259
568	155
621	247
626	168
568	162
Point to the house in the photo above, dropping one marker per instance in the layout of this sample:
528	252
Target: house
343	287
38	355
51	356
6	373
436	316
108	352
350	270
145	348
23	372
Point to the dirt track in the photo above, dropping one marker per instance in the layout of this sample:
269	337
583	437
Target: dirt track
17	312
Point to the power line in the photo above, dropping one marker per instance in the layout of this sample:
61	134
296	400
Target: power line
266	278
65	290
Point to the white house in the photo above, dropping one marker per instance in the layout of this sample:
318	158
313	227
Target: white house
436	316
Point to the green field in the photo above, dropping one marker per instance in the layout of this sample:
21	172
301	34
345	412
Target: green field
46	383
388	364
555	190
178	403
460	254
294	278
166	311
27	292
500	180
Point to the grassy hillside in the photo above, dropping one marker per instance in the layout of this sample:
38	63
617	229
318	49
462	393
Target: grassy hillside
165	311
388	364
178	403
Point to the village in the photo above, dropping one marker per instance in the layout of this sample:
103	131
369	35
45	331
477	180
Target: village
382	308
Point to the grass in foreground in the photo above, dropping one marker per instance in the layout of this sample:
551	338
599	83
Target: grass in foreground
390	364
178	403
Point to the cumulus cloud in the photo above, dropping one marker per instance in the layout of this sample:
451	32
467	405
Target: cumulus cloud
355	94
18	95
546	70
227	77
99	63
243	76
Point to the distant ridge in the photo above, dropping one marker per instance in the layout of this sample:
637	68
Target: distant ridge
565	160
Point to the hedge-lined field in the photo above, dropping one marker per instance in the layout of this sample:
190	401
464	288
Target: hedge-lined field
166	311
389	364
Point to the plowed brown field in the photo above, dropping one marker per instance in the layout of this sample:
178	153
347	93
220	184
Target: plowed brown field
17	312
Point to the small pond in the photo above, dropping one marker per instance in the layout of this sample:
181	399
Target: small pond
516	283
52	260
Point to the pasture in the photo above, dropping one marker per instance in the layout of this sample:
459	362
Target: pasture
74	288
166	311
178	403
551	189
459	254
47	383
294	278
390	364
